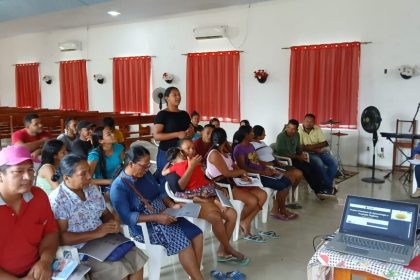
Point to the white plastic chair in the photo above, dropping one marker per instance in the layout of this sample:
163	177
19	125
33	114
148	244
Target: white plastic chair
202	224
270	193
157	254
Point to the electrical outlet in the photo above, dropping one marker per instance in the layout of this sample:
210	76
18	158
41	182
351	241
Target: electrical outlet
368	148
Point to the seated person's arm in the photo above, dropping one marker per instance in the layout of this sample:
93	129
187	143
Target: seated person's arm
314	147
47	171
192	164
99	182
6	276
47	251
166	170
240	161
32	146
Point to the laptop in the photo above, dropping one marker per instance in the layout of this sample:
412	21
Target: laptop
378	229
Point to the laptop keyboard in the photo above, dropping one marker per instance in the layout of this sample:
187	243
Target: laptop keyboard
374	245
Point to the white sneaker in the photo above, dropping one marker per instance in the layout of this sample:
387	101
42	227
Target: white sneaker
416	194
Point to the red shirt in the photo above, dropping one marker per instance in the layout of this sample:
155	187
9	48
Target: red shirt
21	235
23	136
201	148
197	179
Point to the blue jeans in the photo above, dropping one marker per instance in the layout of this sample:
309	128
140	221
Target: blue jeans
417	174
326	166
160	164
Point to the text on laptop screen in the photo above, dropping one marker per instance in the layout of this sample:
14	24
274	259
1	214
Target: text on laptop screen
380	219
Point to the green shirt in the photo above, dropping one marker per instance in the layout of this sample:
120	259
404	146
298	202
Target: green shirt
286	145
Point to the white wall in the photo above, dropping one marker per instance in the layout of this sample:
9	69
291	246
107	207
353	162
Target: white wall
391	25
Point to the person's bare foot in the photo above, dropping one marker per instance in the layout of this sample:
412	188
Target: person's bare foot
245	228
235	253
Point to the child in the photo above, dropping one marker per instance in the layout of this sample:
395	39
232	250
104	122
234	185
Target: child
194	185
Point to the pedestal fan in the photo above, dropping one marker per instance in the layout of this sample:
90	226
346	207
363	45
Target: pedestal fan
371	120
158	96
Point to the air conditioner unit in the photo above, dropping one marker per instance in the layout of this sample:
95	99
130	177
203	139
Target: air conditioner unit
210	32
70	46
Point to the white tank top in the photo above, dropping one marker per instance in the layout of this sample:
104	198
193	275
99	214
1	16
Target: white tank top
212	171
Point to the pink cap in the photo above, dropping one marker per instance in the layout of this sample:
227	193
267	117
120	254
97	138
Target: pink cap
13	155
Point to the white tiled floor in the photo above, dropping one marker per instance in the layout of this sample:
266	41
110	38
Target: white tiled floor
286	258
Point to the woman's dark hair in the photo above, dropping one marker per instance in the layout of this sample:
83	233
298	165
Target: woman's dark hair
218	137
49	151
97	135
168	92
108	122
240	135
68	164
181	141
244	122
258	130
172	153
194	113
213	120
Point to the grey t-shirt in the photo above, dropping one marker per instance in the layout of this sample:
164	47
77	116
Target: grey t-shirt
67	141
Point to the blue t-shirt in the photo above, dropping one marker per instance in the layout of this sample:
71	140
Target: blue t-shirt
112	162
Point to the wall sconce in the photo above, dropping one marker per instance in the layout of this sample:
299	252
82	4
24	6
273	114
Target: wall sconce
47	79
99	78
261	75
168	77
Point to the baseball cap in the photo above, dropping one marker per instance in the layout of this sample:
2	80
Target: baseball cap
13	155
84	124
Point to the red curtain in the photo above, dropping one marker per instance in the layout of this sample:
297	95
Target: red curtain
132	84
324	80
213	85
28	93
73	85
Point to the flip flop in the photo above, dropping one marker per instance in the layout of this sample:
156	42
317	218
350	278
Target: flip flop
292	216
235	275
231	260
218	275
280	217
269	234
255	238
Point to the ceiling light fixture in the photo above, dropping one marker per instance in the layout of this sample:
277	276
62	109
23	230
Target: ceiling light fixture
113	13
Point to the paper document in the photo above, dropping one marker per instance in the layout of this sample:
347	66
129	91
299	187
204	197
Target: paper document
414	161
62	268
187	210
225	201
79	272
102	247
255	182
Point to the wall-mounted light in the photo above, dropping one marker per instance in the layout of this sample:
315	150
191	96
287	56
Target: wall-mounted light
47	79
99	78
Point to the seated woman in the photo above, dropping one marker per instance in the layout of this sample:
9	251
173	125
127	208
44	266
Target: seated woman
220	164
137	198
106	158
82	216
51	154
265	156
194	185
247	159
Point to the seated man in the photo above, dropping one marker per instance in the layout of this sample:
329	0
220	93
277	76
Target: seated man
202	145
288	145
69	134
28	232
31	136
416	153
82	145
312	140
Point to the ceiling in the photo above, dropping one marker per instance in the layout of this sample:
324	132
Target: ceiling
29	16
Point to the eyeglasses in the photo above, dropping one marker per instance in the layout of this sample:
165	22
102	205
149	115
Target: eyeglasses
147	165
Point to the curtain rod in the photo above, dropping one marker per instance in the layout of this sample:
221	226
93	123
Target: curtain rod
362	43
216	51
26	63
111	58
71	60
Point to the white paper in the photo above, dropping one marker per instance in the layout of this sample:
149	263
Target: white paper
79	272
101	248
414	161
223	199
255	182
188	210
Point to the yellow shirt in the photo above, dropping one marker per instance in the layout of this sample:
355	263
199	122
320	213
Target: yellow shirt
315	136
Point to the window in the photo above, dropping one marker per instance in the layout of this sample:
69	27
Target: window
28	93
132	84
213	85
324	80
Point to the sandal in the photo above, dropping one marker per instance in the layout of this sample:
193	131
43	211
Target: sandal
235	275
255	238
280	217
218	275
292	216
269	234
231	260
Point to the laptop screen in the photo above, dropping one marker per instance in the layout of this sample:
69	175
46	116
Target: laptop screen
385	220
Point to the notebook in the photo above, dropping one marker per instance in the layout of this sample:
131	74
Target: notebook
379	229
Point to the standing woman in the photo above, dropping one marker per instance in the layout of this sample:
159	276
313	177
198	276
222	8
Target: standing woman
51	154
137	198
171	124
82	216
